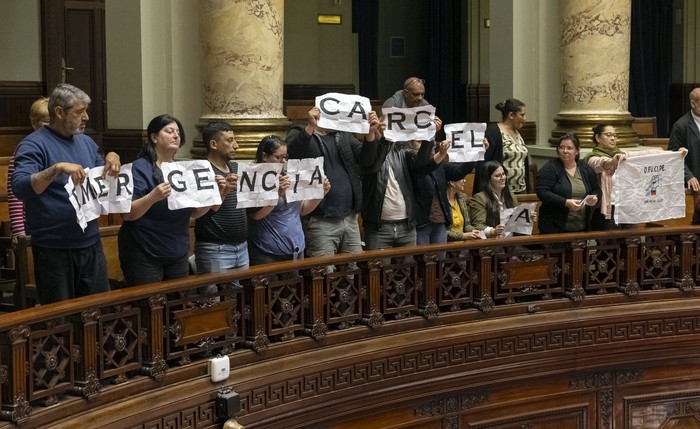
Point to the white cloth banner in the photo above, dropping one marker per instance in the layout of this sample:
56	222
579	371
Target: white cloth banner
518	220
407	124
344	112
97	196
466	141
258	184
307	179
193	184
649	188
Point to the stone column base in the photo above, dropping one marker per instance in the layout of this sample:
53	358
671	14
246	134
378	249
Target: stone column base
582	125
248	131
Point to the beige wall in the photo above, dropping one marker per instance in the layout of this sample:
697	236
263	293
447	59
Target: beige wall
20	40
316	53
478	42
154	67
124	65
524	59
691	33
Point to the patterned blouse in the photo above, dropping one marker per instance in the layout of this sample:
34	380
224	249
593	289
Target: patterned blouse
514	154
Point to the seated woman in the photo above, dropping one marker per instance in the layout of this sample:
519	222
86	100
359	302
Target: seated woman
461	224
275	232
568	189
154	240
604	159
486	206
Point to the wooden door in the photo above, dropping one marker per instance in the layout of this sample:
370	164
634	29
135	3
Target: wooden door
74	52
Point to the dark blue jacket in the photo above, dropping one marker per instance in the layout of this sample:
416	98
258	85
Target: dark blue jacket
426	186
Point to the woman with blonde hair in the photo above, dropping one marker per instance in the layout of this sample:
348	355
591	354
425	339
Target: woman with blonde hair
38	117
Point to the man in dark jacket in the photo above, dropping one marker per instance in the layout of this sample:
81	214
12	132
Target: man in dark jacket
686	133
388	209
433	211
333	227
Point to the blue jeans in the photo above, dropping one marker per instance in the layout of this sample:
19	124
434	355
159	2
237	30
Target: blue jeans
215	257
431	233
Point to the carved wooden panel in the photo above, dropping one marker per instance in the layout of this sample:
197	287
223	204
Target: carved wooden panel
400	287
52	355
120	342
344	291
457	280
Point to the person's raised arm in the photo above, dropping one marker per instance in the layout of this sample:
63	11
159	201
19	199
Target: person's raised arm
299	139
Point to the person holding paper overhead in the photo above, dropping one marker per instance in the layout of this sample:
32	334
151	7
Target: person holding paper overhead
68	262
154	241
506	145
388	209
275	232
495	196
568	189
333	226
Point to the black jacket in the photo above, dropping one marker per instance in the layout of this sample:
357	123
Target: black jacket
685	134
554	188
406	162
426	186
355	157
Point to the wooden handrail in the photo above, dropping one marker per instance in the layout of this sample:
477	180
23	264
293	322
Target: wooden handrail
150	329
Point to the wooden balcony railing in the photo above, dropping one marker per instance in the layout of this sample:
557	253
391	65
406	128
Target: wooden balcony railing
91	351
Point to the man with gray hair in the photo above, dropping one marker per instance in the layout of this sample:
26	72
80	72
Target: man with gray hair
68	262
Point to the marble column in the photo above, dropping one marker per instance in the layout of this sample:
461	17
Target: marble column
595	62
242	59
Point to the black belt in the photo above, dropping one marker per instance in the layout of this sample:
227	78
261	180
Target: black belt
393	222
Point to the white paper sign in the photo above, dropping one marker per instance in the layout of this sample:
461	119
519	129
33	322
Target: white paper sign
258	184
307	179
466	141
649	188
193	184
97	196
407	124
518	220
344	112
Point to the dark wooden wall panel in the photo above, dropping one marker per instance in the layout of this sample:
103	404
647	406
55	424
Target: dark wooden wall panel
16	97
477	102
679	103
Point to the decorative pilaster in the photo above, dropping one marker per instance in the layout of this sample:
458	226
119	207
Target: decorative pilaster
595	61
242	57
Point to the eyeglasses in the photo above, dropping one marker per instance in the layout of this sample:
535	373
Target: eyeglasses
567	148
499	175
279	157
609	134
